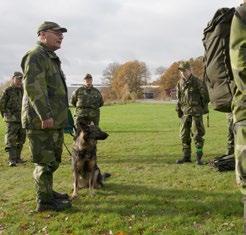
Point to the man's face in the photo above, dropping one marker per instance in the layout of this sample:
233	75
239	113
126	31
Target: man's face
17	82
88	82
52	39
185	74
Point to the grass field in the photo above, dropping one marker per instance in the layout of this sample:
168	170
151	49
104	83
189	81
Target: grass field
147	193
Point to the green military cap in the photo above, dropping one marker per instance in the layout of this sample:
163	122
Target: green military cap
51	25
17	75
88	76
184	65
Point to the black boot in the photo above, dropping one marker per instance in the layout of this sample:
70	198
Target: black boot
54	205
183	160
199	154
62	196
18	155
12	157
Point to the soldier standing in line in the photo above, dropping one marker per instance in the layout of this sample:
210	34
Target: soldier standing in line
44	113
87	100
10	108
238	63
192	103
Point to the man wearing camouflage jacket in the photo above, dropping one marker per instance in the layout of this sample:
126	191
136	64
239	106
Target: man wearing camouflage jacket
238	63
87	100
192	103
10	108
44	113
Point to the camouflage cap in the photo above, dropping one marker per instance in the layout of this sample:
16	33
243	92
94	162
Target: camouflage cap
184	65
88	76
51	25
18	75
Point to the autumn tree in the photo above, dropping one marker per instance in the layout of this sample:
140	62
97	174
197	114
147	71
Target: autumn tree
128	80
109	72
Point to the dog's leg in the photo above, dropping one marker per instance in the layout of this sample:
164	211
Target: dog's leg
75	183
92	178
78	164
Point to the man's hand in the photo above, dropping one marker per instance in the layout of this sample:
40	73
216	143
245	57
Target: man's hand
48	123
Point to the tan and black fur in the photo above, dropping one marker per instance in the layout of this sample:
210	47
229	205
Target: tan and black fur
86	172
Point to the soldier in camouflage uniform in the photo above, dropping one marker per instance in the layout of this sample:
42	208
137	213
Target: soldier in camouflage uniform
87	100
10	108
44	113
192	103
238	63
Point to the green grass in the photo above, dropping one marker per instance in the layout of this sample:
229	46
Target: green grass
147	193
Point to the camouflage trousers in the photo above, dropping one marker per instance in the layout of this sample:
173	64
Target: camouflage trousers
230	134
46	150
240	155
88	116
15	137
191	126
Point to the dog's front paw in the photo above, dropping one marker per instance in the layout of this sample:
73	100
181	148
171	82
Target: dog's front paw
73	196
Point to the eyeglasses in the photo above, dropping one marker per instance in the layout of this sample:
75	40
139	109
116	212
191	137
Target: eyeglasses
57	33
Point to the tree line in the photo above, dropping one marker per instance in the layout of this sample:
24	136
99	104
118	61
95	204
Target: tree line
124	81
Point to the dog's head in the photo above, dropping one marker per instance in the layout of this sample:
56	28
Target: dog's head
90	132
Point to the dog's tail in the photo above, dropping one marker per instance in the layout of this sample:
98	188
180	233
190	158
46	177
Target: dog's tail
106	175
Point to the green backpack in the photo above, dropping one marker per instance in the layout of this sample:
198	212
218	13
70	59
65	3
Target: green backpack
218	73
70	128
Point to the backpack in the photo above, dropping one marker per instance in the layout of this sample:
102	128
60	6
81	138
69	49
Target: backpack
217	72
223	163
69	129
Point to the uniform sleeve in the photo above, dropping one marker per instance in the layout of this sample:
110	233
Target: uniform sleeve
35	86
238	53
73	99
204	93
178	105
101	102
3	102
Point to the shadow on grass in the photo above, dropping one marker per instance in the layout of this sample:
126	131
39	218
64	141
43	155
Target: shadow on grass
152	159
126	200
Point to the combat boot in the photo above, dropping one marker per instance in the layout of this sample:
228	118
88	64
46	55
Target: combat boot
54	205
18	156
199	155
60	196
12	157
183	160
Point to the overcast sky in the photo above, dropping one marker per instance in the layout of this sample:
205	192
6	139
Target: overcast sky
157	32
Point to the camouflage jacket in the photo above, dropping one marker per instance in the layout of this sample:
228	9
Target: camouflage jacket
10	104
192	96
238	63
87	98
45	90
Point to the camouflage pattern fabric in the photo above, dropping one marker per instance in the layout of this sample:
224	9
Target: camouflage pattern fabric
45	96
10	104
192	103
230	134
238	63
45	90
191	126
10	108
15	136
46	148
192	97
87	102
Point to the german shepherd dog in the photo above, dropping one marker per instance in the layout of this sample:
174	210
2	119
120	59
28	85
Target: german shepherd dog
86	173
